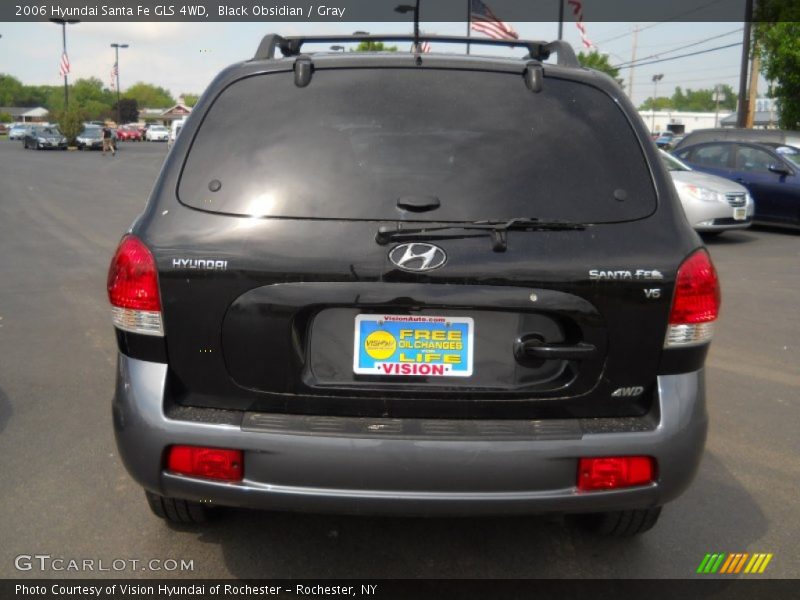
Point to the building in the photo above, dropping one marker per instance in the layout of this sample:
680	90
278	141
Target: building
26	114
764	117
681	122
164	116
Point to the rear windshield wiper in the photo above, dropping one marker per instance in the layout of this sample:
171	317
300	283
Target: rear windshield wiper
497	229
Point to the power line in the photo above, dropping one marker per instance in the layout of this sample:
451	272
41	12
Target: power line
716	79
673	18
638	61
652	62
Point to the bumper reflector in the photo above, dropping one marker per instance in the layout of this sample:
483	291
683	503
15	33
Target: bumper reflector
145	322
612	472
208	463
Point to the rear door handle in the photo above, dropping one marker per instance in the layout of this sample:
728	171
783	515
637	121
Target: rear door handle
535	348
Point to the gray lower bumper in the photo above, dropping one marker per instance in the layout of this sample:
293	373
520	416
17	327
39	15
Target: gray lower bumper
417	474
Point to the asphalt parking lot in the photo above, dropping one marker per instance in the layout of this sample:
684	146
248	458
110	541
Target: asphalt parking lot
65	493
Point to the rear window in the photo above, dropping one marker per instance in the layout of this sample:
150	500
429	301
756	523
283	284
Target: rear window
354	141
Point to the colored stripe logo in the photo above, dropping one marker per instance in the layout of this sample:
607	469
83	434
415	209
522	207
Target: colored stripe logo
737	562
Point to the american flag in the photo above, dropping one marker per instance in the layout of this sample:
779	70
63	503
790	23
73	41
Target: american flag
64	65
114	73
577	10
424	47
484	20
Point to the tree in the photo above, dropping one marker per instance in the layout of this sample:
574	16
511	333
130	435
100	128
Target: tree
10	90
660	103
599	62
71	123
693	100
190	99
5	117
128	110
370	46
777	36
149	96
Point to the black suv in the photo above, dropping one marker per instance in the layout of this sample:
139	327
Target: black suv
413	283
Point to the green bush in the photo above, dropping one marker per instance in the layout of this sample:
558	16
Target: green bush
70	123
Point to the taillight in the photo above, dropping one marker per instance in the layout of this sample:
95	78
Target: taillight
133	289
695	303
209	463
612	472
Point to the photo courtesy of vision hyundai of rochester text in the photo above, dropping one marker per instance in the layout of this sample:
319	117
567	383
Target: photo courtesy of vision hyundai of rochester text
413	283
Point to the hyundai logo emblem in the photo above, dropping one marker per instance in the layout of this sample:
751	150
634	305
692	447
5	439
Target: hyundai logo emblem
417	257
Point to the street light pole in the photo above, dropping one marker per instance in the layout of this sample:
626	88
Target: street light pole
116	48
64	23
656	79
405	8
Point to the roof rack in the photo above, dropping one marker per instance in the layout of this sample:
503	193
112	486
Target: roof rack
291	46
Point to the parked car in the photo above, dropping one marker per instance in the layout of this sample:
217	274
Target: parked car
4	128
157	133
129	133
665	139
768	171
174	130
712	204
728	134
18	131
484	300
91	138
43	137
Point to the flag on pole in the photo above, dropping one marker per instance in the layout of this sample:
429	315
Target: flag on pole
424	47
64	65
577	10
484	20
114	73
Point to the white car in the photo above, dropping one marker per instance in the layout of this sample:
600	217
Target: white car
157	133
712	204
177	125
18	131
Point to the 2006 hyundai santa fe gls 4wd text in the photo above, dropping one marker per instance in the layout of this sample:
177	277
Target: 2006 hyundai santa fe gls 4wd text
415	284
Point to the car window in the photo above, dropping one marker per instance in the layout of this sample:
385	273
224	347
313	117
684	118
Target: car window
712	155
790	153
355	141
751	159
672	163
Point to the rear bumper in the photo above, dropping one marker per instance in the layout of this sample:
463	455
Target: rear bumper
386	467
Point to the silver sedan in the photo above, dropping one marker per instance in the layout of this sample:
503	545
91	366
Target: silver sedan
712	204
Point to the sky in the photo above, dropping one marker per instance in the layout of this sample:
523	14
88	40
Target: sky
184	57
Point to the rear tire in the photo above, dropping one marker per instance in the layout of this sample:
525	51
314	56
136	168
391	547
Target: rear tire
175	510
619	523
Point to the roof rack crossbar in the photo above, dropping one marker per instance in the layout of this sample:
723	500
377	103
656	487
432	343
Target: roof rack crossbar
538	50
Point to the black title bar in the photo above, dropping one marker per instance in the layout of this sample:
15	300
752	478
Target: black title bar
366	10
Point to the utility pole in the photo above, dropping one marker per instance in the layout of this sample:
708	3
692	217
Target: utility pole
633	60
717	98
560	19
116	48
741	109
755	65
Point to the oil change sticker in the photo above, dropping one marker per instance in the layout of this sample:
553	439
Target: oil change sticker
408	345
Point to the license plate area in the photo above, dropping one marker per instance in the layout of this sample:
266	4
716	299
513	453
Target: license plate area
740	214
413	345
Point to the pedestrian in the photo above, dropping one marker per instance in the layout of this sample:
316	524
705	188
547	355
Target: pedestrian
108	141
